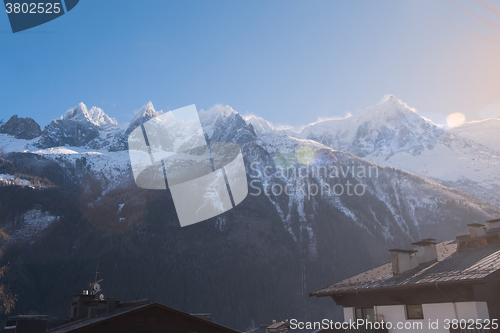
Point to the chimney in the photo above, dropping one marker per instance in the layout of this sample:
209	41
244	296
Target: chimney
477	229
110	304
403	260
426	250
92	311
493	224
80	304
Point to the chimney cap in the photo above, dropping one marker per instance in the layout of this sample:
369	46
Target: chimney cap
476	225
403	251
493	221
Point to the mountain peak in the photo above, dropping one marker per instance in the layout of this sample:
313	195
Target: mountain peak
21	128
389	109
95	116
389	98
260	125
391	101
145	113
148	106
209	117
216	111
76	113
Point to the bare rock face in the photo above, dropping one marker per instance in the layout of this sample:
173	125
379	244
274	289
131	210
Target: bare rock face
67	132
21	128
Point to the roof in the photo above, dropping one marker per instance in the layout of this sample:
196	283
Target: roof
277	324
29	317
493	221
87	324
403	250
469	265
425	242
263	329
476	225
66	326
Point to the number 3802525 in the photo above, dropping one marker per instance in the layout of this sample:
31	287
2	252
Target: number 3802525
33	8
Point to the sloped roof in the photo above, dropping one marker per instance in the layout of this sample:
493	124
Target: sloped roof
468	265
277	324
86	324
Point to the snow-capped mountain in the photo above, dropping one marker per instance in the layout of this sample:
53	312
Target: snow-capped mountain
144	114
95	116
117	140
260	125
390	134
209	117
390	127
394	134
385	134
78	127
228	127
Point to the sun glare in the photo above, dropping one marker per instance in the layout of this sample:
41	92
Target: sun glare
455	119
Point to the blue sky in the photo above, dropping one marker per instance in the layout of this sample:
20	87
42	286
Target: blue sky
287	61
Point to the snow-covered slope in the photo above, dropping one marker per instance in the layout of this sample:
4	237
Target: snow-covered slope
485	132
260	125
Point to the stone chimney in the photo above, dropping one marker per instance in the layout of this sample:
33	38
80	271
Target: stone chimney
403	260
426	250
477	229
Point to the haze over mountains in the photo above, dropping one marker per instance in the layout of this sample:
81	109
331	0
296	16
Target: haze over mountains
393	134
259	260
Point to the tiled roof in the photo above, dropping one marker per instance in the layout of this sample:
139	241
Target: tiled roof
452	266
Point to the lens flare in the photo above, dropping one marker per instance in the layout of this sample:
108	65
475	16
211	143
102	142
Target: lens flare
455	119
306	155
285	159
